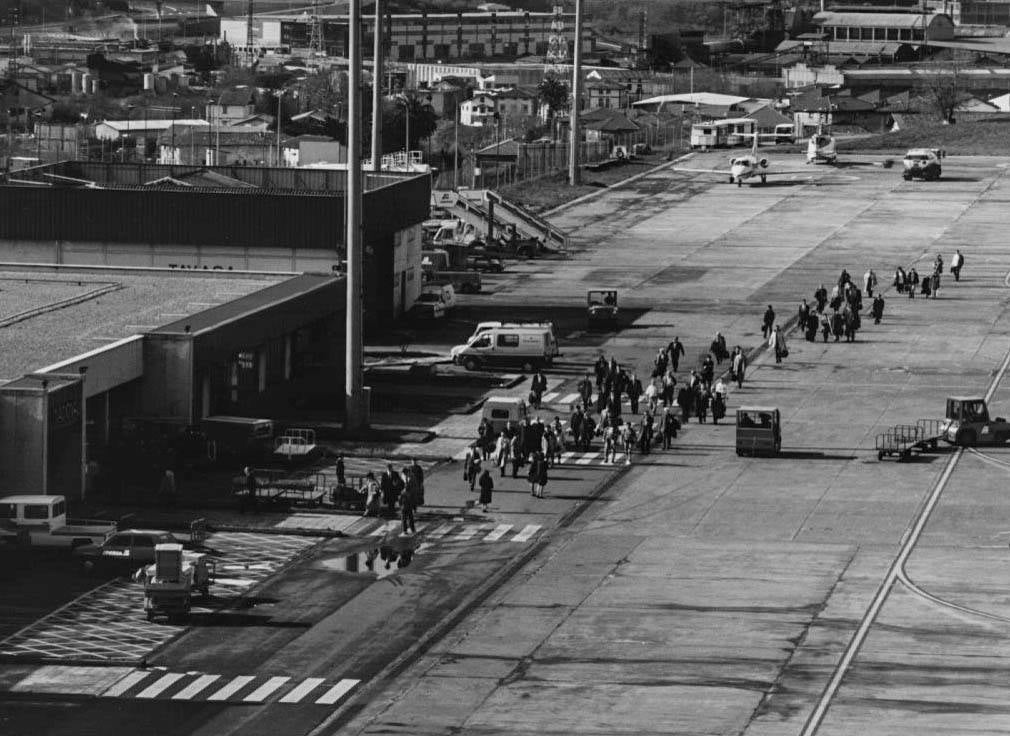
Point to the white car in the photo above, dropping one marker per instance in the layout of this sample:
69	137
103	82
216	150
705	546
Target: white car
428	306
922	163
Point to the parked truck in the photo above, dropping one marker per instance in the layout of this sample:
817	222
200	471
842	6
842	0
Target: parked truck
41	521
448	265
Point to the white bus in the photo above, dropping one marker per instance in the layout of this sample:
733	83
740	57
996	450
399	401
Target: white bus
721	133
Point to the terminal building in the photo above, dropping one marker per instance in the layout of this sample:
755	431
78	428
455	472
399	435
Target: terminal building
408	36
137	299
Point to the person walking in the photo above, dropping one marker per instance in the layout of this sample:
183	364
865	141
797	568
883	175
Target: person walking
538	384
900	279
534	473
777	342
825	325
912	282
670	427
803	314
675	351
685	400
821	297
407	507
340	471
956	264
585	387
739	366
417	473
628	438
934	287
701	401
516	455
877	310
388	488
707	370
634	392
251	488
501	454
768	322
609	444
486	488
869	282
373	496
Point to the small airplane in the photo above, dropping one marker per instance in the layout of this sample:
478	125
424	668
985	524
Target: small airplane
821	147
747	166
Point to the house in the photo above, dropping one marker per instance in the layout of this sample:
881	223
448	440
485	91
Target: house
478	110
203	146
259	122
608	128
880	28
1001	103
233	105
767	117
23	104
515	103
306	150
143	133
606	94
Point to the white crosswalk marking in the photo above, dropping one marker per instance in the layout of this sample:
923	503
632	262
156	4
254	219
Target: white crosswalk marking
260	694
498	533
549	397
570	399
441	531
528	531
161	685
232	687
336	692
304	688
587	458
196	687
567	456
125	684
385	528
469	532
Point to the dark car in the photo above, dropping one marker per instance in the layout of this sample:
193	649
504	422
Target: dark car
485	263
126	550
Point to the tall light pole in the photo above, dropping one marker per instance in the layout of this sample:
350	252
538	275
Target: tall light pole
83	370
355	405
575	133
377	90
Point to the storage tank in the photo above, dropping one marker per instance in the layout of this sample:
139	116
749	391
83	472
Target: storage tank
148	82
75	83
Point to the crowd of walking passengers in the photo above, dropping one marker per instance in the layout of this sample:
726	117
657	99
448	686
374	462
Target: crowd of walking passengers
666	407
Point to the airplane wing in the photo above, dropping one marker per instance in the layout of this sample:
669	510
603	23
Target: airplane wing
788	172
721	172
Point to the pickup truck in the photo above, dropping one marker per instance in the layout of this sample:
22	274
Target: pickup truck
41	521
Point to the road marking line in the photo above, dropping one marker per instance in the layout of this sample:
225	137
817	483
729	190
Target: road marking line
336	692
303	689
896	569
469	532
567	456
160	685
196	687
384	528
260	694
125	684
570	398
549	397
498	533
587	458
441	531
232	687
528	531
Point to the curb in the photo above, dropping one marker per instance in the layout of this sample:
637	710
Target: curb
433	635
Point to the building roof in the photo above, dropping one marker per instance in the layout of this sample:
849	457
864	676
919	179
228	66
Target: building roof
694	98
238	96
130	126
871	20
616	123
200	178
114	304
504	148
768	117
252	302
203	136
260	116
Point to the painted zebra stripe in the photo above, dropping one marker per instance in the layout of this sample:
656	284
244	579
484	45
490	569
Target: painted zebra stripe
126	683
528	531
263	691
196	687
498	533
336	692
587	458
304	688
232	687
160	685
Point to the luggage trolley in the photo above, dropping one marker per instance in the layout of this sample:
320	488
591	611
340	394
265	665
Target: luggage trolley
899	441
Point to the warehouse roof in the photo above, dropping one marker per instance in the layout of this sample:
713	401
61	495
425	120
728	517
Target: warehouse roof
52	314
871	20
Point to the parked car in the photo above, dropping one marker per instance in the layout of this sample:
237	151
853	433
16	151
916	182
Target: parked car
126	550
429	305
485	263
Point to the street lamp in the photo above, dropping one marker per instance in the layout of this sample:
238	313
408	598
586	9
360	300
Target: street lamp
84	433
406	115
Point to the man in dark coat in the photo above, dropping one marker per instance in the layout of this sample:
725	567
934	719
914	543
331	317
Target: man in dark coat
877	309
675	351
768	322
634	392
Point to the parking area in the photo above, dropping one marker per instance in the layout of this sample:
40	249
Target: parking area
107	623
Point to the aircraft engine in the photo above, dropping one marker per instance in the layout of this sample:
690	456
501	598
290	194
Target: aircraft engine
763	163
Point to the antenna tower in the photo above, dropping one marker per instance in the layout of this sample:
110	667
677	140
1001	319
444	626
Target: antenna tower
315	32
249	40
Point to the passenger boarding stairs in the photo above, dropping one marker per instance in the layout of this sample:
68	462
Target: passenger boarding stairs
487	211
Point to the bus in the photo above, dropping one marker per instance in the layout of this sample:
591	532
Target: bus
722	133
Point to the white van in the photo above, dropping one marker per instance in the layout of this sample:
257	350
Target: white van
549	326
527	348
444	291
500	410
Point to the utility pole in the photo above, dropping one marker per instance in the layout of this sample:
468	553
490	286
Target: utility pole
575	133
355	395
377	90
280	96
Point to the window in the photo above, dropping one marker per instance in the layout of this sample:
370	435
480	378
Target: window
120	541
905	34
866	34
36	511
499	413
442	50
484	341
892	34
59	508
8	511
508	341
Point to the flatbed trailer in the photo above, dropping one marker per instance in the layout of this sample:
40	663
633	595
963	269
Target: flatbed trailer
902	440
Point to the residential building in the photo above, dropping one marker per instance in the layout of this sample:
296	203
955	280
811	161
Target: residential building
479	110
234	105
515	103
218	145
604	94
306	150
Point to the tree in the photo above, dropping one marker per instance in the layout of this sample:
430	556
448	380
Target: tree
553	92
423	122
942	92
